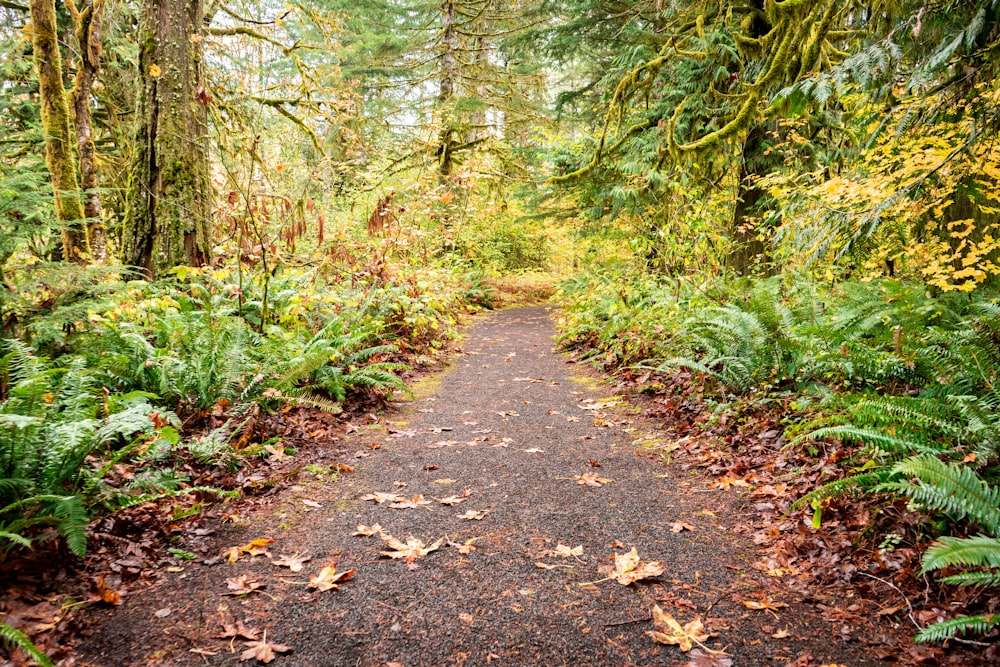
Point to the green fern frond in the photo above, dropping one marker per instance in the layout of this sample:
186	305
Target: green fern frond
987	579
871	437
848	485
17	639
950	488
978	551
315	401
960	625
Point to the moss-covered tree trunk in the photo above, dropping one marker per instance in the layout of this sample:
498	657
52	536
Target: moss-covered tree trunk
56	126
169	218
446	91
749	250
87	22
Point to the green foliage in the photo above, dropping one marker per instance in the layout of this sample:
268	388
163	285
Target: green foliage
17	639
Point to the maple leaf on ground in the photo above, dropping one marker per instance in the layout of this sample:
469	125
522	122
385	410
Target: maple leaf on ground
727	481
410	550
563	551
253	548
669	631
380	497
679	526
362	530
465	548
242	586
767	604
591	479
328	577
473	515
237	631
629	568
293	562
411	502
262	650
451	501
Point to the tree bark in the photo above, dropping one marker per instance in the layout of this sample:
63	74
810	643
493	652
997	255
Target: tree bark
56	126
446	91
749	251
87	24
169	218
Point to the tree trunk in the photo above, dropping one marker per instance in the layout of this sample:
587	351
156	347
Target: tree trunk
749	251
169	218
89	42
56	124
446	91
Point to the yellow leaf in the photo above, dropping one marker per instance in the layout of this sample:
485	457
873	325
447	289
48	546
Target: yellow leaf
155	71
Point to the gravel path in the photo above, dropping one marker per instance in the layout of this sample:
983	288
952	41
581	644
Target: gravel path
514	424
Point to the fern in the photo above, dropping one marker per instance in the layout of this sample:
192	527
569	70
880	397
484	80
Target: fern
949	488
960	625
17	639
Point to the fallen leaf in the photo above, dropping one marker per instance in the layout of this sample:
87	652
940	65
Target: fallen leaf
293	562
465	548
766	604
429	468
591	479
781	634
367	531
628	569
669	631
594	464
410	550
473	515
242	586
535	450
563	551
444	481
679	526
163	613
407	503
238	631
451	501
328	577
310	503
380	497
262	650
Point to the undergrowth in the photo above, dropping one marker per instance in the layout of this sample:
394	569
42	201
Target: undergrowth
907	376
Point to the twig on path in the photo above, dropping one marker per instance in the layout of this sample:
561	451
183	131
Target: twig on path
634	620
971	642
896	588
718	598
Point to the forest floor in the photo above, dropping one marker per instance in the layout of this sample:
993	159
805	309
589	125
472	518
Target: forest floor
535	459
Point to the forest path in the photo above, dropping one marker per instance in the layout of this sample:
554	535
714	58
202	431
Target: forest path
515	424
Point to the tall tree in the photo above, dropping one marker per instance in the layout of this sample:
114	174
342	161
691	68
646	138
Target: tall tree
87	22
56	126
168	223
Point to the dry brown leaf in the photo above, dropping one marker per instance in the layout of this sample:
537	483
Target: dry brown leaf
767	604
310	503
669	631
679	526
465	548
473	515
293	562
262	650
410	550
362	530
328	577
563	551
409	502
704	658
451	501
534	450
591	479
242	586
238	631
628	569
380	497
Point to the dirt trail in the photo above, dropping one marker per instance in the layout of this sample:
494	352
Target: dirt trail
507	394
